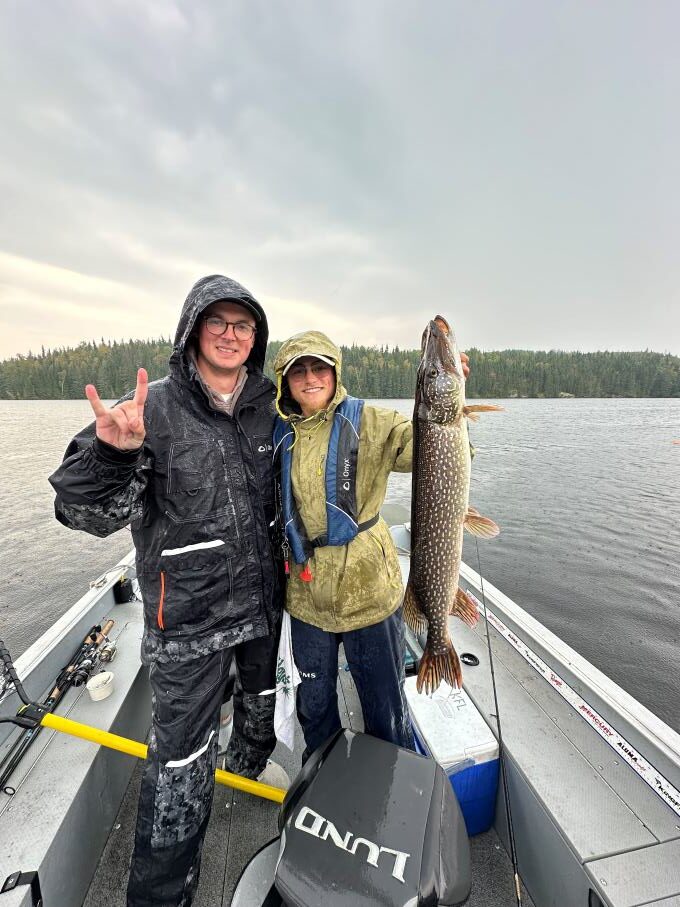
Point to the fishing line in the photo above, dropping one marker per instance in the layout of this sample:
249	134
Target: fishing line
501	747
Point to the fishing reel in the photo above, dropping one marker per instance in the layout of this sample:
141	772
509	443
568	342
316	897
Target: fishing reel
81	673
31	714
97	648
108	651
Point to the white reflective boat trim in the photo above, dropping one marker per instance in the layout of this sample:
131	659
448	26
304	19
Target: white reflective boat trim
169	552
625	750
178	763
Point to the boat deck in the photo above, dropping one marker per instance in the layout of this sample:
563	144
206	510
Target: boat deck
241	824
590	825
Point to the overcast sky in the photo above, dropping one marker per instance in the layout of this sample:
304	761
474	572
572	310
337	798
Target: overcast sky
359	165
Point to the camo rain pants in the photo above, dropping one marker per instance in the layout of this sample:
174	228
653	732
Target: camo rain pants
177	787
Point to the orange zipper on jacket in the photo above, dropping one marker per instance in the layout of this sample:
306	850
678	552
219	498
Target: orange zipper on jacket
160	603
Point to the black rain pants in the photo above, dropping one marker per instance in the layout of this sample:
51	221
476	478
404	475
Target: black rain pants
177	787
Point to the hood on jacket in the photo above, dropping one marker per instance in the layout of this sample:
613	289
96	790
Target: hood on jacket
204	292
308	343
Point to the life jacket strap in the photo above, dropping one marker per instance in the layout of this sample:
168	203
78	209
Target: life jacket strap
322	540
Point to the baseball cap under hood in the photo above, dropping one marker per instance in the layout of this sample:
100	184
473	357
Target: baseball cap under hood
308	343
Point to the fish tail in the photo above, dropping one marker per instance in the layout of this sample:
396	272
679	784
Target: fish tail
435	668
464	607
479	525
413	613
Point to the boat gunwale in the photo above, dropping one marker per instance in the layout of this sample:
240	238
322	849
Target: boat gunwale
648	725
37	667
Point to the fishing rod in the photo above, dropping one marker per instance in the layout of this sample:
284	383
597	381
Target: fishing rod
33	714
501	747
95	647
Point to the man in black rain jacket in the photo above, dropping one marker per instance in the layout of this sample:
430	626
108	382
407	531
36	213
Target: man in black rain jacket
187	462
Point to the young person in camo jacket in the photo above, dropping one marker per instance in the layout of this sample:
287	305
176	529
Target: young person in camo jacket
187	462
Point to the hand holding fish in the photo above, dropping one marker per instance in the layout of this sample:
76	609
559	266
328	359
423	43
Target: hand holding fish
122	426
440	508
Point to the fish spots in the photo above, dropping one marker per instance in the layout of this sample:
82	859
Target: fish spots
441	489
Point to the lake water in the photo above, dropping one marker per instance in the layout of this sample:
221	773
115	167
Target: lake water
587	494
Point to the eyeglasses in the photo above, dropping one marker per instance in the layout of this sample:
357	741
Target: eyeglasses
242	329
297	372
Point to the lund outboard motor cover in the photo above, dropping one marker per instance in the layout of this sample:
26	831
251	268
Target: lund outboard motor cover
369	823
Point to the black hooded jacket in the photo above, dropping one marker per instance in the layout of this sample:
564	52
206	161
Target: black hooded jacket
199	497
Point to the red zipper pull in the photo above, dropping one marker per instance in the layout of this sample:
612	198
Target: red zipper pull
306	574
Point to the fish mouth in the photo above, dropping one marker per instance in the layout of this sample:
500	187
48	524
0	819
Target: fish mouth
439	345
442	324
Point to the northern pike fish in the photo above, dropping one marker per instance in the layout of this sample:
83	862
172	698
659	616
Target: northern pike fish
440	508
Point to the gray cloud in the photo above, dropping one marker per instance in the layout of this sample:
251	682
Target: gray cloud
358	166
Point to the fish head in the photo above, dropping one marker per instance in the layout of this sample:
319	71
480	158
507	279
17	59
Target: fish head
440	385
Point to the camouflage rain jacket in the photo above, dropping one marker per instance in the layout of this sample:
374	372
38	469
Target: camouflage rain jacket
357	584
199	498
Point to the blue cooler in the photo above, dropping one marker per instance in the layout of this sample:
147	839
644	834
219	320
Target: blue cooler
449	728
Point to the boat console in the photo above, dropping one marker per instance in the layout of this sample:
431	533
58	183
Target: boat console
364	823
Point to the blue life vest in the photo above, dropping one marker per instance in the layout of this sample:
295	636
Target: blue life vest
341	475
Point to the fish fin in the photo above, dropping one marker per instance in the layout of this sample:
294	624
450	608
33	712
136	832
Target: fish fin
479	525
435	668
472	410
413	613
465	608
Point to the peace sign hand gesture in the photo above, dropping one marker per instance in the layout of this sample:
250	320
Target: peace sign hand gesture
121	426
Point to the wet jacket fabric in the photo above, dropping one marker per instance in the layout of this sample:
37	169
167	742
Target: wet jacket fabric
357	584
199	498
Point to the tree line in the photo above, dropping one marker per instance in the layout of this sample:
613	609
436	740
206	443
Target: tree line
377	372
